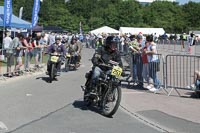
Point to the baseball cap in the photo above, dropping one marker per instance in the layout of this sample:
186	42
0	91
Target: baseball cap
139	36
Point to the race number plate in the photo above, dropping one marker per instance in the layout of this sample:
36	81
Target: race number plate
116	71
54	58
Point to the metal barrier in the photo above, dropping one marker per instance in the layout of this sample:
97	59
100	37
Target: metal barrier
176	71
176	47
137	69
180	71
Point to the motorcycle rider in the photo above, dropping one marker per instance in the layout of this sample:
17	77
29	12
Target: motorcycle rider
102	56
74	49
58	48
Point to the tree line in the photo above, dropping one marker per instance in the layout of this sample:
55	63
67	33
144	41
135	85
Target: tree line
171	16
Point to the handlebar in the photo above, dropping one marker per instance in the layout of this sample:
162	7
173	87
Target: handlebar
113	62
110	64
55	54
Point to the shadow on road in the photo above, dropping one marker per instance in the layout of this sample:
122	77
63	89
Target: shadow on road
46	79
81	105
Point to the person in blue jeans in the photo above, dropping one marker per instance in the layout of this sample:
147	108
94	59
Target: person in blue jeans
153	62
135	48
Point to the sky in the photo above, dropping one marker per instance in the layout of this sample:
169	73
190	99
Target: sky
186	1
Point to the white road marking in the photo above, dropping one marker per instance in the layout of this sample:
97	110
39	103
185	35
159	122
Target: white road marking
3	127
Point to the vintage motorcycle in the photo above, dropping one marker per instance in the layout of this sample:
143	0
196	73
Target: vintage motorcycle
69	65
53	62
107	95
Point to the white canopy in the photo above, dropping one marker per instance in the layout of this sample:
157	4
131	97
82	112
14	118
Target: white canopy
133	30
104	29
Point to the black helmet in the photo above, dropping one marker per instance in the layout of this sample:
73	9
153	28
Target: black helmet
110	43
57	37
149	38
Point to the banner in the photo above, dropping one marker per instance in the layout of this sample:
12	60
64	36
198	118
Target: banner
36	9
7	12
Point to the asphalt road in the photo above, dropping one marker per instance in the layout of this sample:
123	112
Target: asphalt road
30	104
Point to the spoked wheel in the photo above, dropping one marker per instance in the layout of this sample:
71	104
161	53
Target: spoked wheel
67	65
111	101
51	74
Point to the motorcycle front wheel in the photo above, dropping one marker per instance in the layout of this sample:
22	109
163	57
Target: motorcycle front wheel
51	74
111	101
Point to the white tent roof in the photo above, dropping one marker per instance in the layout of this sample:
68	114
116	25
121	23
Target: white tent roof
133	30
104	29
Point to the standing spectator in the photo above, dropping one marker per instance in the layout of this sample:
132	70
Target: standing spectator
6	42
192	37
81	37
87	40
8	45
51	39
27	42
43	44
145	72
153	59
92	41
122	42
155	38
135	47
99	41
183	39
36	49
19	47
117	37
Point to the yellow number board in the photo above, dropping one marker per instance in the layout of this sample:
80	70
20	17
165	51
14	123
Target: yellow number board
54	58
116	71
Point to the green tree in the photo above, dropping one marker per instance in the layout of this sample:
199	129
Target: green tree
164	14
129	13
114	13
192	15
1	3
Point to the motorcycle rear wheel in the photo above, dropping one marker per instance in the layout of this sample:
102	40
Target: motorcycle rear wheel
111	101
67	67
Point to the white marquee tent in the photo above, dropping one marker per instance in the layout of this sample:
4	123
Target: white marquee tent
133	30
104	29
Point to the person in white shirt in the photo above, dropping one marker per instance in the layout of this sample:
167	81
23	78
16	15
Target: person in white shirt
153	60
7	40
7	45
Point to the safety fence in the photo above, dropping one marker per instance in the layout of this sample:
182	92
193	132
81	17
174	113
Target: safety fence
179	47
169	46
175	71
180	71
21	62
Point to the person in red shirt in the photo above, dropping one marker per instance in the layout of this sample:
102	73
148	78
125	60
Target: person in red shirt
29	51
145	72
